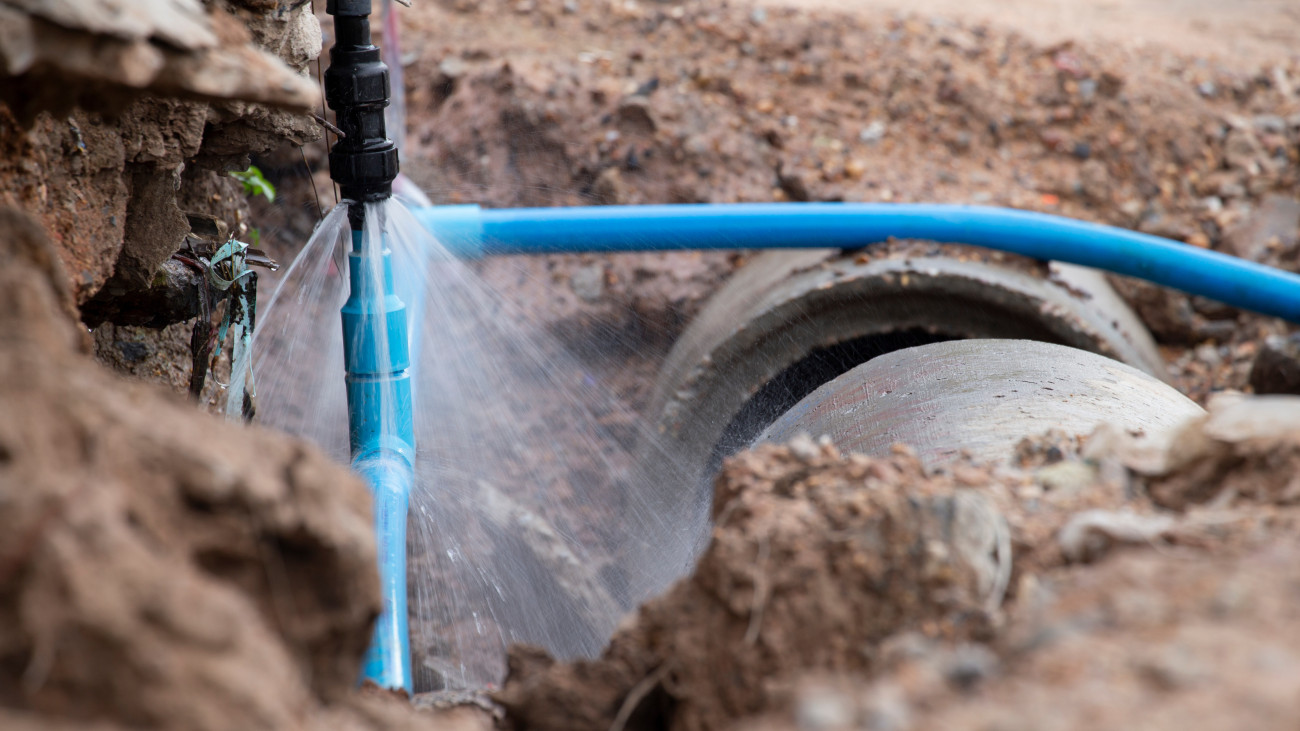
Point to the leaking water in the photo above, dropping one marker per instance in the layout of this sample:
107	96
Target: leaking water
529	522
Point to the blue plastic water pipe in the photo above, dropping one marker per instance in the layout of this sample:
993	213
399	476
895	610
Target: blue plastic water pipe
382	437
364	163
469	232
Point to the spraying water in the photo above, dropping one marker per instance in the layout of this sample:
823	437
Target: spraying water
528	520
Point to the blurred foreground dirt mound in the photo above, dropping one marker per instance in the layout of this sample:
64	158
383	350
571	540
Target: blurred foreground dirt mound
845	592
160	568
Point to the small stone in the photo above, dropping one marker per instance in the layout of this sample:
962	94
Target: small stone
1242	150
969	665
1174	668
793	185
823	710
1208	354
588	282
872	133
970	475
634	115
758	16
609	189
452	67
1066	477
1094	181
1277	367
1270	123
804	448
1207	89
1273	225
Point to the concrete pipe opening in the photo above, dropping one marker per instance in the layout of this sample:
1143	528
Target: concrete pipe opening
790	321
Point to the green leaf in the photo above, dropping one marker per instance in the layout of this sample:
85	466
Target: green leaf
254	183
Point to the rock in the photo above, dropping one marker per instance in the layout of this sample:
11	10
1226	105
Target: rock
1277	367
1242	150
588	282
1094	181
452	67
1089	534
1244	449
1274	226
634	117
872	133
793	185
155	227
608	189
1269	123
64	51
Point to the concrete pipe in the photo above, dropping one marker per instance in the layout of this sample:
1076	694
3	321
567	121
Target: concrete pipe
982	397
790	321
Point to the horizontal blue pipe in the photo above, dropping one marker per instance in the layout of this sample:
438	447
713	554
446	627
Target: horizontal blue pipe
469	232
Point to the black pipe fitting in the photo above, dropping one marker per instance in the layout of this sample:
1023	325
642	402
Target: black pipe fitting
363	161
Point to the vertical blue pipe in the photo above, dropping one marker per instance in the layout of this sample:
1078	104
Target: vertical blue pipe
382	437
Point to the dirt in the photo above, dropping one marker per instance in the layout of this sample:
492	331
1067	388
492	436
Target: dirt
164	569
171	571
693	102
841	591
1245	32
111	170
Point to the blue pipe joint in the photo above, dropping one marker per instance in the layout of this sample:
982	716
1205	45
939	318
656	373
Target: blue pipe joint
388	658
376	352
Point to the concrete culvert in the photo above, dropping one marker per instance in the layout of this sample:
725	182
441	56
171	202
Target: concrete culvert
790	321
981	397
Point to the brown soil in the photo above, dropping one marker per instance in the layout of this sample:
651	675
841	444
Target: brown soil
840	591
649	103
166	570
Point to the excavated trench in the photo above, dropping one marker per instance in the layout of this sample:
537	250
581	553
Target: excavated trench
167	571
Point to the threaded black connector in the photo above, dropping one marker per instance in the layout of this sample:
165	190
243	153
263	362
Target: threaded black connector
364	161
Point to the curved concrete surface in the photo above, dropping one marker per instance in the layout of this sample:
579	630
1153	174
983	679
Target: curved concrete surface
981	396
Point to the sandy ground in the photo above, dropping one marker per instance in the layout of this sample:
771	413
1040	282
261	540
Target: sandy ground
1238	32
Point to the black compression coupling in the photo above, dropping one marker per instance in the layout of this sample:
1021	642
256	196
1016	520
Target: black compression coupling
364	161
